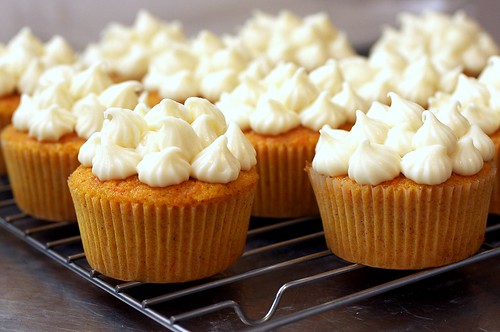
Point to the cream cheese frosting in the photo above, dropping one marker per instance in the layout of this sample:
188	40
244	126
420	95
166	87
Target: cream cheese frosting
449	40
475	99
127	50
309	41
25	57
379	148
168	144
287	98
72	101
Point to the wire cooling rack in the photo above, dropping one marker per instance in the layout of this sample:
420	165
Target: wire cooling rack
286	275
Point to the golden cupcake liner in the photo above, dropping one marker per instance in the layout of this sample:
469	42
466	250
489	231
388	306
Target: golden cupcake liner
38	177
403	226
8	106
158	243
283	190
495	196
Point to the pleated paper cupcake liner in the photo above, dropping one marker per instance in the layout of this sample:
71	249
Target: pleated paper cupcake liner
403	226
284	190
38	176
8	105
495	196
133	241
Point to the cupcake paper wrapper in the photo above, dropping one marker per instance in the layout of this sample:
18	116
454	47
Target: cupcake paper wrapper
38	178
398	227
495	196
162	244
283	189
8	105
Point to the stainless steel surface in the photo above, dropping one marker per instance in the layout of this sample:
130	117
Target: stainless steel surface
286	280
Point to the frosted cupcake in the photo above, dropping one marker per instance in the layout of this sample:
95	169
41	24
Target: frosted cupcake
281	115
450	41
306	41
477	100
22	61
164	194
42	143
404	193
126	51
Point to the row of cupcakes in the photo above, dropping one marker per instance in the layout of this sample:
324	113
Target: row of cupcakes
172	187
126	136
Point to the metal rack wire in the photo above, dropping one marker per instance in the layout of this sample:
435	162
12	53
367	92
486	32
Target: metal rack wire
288	256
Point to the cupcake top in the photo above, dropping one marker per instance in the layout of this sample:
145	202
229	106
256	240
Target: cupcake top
450	41
69	100
127	50
403	138
25	57
210	65
206	66
308	42
168	144
478	99
289	97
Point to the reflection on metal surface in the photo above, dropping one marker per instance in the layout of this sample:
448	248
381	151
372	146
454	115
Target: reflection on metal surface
286	275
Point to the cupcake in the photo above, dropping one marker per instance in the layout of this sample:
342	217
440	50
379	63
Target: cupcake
281	115
22	61
126	51
41	145
205	67
478	101
404	194
449	41
306	41
164	194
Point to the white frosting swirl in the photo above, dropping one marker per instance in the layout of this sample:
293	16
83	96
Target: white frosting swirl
332	164
88	149
466	160
434	132
427	165
240	147
454	119
25	57
367	129
400	138
404	111
322	112
93	80
124	127
89	115
491	74
428	154
350	101
124	95
298	92
112	161
51	123
272	118
24	112
167	144
481	142
164	168
216	163
382	162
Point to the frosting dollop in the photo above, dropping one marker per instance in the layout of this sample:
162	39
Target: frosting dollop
427	153
373	163
216	163
168	144
427	165
164	168
81	97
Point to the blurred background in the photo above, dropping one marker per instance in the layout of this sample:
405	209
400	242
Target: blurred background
81	22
